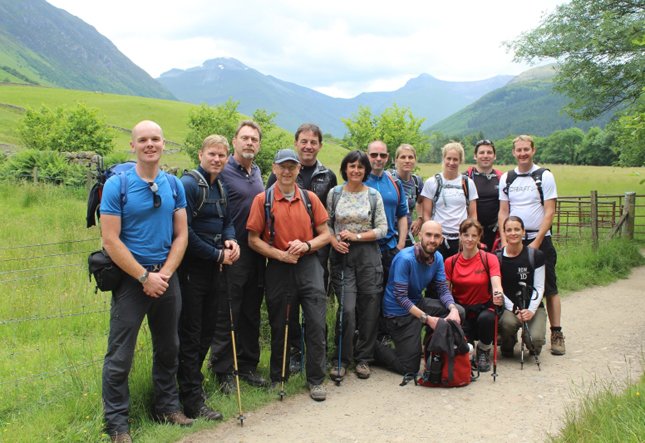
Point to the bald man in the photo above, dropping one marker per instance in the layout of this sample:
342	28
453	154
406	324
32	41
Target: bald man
146	236
405	310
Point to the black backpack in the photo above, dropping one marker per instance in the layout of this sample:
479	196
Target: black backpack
535	175
203	187
96	193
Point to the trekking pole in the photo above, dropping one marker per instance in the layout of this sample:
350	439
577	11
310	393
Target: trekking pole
282	393
236	372
525	299
303	330
340	318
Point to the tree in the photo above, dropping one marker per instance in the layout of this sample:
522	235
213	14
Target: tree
599	46
596	149
205	120
394	126
562	146
66	130
629	136
273	139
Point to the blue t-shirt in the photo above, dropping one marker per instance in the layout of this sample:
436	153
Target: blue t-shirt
395	207
145	230
407	271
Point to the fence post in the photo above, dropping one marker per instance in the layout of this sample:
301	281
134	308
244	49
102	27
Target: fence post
594	219
35	174
630	210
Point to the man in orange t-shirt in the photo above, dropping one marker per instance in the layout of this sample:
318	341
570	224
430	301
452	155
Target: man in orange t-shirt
289	238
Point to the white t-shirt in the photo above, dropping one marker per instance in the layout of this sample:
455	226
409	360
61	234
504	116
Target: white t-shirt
450	209
524	199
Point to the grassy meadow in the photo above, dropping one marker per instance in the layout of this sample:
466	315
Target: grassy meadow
53	326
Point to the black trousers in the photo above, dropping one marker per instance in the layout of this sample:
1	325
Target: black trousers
287	285
201	286
245	277
405	332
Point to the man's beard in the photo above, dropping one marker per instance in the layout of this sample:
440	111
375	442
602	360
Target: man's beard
248	155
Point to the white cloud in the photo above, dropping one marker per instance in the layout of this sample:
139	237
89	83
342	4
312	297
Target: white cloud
337	47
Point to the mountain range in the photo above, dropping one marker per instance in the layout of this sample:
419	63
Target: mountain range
43	45
217	80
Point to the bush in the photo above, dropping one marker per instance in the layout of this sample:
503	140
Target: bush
50	167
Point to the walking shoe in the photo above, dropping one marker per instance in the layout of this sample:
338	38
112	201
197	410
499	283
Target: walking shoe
175	418
337	375
209	414
254	379
121	438
557	343
317	392
483	360
363	370
295	365
227	384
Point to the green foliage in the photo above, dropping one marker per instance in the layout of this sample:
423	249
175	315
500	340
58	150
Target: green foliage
274	138
561	147
206	120
629	136
596	148
63	129
579	266
599	46
607	416
394	126
47	166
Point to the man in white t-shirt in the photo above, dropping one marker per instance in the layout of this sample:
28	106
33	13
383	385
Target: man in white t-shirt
531	195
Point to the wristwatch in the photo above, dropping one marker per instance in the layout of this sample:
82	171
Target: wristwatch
358	237
424	318
144	278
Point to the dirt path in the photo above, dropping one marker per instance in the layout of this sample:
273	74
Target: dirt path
605	332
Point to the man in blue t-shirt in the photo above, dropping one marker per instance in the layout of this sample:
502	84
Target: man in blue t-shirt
405	310
145	233
394	202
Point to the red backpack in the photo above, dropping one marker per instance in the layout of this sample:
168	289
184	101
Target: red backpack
447	357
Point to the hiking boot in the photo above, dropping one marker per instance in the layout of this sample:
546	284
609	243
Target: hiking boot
317	392
557	343
337	375
483	360
295	365
227	384
363	370
121	438
254	379
175	418
209	414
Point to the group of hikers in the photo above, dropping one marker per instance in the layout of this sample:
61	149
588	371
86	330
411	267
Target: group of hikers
200	253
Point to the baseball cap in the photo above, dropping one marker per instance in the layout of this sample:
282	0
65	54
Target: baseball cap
285	155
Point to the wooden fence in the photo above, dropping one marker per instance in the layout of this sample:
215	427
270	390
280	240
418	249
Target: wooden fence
599	216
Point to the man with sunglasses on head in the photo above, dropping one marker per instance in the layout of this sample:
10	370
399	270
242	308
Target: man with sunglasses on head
211	246
486	180
144	231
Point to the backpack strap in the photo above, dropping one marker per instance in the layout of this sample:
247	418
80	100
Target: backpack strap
371	196
269	196
335	196
397	186
535	175
123	189
531	253
465	188
203	188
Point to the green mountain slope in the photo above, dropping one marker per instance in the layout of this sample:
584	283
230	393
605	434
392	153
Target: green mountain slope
41	44
527	104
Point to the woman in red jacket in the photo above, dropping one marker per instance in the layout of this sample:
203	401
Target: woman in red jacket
472	274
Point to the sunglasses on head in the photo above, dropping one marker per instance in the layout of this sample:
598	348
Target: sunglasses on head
378	154
156	198
484	142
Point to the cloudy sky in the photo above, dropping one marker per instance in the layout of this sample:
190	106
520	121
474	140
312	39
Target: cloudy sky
338	47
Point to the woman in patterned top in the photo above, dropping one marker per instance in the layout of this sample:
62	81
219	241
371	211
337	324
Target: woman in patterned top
357	220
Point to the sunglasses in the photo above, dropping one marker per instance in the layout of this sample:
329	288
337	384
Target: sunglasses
484	142
378	154
156	198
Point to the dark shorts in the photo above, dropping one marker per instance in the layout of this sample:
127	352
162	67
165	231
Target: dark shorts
550	260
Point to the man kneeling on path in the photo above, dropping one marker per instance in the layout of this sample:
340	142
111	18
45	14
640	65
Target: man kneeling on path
405	311
296	227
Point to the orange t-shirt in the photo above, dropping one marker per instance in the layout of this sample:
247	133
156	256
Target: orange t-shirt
291	220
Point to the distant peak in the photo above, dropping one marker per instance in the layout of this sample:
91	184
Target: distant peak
224	63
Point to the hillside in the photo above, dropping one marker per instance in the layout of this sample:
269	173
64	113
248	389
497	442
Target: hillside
44	45
219	79
527	104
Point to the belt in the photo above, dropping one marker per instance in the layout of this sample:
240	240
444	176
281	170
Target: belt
154	268
451	236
